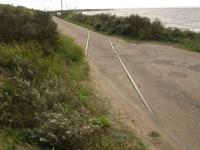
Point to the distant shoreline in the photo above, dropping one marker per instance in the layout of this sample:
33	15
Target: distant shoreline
99	9
94	9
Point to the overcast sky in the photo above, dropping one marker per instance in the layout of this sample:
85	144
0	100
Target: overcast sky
55	4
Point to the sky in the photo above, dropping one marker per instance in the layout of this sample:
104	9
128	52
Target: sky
85	4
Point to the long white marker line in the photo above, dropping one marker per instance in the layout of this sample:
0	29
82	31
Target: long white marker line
87	44
132	80
140	94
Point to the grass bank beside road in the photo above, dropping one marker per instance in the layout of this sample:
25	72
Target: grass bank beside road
137	28
46	100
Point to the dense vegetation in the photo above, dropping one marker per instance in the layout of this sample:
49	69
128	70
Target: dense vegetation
137	28
45	99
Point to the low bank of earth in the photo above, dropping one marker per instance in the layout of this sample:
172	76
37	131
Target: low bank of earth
47	101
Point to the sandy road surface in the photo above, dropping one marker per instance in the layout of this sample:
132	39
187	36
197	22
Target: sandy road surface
169	79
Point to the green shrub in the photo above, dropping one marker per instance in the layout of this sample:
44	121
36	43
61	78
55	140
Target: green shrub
122	29
97	26
21	24
157	30
100	122
70	52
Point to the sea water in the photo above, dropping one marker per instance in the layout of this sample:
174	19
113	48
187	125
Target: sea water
184	18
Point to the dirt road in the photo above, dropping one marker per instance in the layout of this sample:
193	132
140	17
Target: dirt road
168	78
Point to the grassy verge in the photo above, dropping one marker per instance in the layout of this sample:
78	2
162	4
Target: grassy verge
45	102
137	29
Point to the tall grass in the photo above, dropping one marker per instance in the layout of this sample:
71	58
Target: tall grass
11	139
